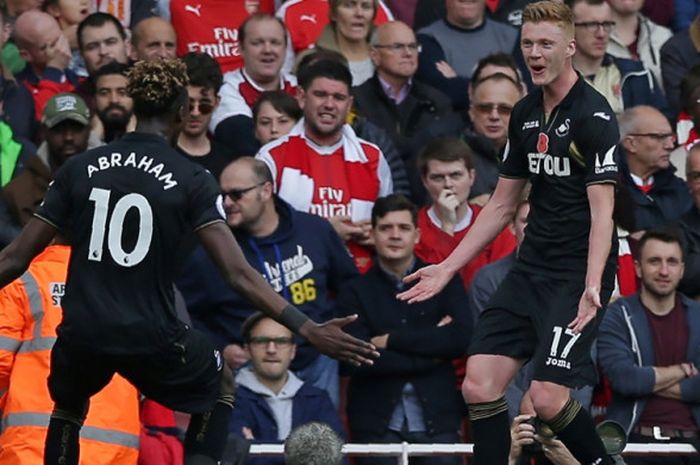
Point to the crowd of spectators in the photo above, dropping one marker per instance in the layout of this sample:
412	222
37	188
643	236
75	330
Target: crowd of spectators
353	141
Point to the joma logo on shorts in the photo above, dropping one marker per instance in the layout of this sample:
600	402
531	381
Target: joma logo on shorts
553	166
557	362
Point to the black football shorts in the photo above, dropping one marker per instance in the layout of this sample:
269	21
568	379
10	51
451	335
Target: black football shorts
527	319
184	376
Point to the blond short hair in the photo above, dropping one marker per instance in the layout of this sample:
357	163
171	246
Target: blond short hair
550	11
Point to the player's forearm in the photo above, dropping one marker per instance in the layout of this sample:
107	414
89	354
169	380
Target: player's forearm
601	199
599	242
12	265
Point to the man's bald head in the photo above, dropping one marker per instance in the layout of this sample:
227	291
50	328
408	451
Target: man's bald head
394	52
153	38
32	26
36	35
388	30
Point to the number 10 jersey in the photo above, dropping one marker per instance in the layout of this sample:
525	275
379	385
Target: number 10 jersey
129	209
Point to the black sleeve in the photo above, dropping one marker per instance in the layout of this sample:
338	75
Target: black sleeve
514	159
203	199
597	137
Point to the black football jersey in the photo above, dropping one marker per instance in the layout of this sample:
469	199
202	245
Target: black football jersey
128	208
574	148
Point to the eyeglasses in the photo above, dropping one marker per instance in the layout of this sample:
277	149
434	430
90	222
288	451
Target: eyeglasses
204	107
592	26
398	47
487	108
237	194
264	341
657	136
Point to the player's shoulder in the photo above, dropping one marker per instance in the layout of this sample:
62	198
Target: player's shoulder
590	103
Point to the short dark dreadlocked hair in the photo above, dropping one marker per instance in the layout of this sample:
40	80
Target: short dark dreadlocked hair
158	87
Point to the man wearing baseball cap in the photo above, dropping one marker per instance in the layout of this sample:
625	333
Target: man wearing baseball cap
66	129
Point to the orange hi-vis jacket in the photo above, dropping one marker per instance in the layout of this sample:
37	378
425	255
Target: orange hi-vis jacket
29	314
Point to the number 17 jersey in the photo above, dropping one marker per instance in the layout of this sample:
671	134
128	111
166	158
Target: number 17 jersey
129	209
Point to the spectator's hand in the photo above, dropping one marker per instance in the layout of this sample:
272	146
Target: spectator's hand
445	69
363	238
381	341
587	308
556	452
345	228
247	433
446	206
331	340
689	369
444	321
235	356
521	434
58	53
431	280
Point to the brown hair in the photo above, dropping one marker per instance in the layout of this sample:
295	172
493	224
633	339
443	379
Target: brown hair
446	149
550	11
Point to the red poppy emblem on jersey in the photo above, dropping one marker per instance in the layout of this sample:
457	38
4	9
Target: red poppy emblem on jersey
542	143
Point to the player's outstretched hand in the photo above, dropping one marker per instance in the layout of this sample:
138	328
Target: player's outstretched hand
331	340
587	308
431	279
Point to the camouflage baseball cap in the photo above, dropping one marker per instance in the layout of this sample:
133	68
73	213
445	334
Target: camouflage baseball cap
65	106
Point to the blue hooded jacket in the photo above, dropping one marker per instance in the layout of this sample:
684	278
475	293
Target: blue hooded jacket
304	260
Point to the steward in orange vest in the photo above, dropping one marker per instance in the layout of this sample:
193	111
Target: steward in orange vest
30	311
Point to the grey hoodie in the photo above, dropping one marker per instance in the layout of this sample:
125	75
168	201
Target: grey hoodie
280	404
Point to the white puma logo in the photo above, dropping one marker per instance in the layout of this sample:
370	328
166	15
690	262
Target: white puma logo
311	18
194	9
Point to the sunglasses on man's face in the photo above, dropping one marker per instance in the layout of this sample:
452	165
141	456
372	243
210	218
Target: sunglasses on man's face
204	107
237	194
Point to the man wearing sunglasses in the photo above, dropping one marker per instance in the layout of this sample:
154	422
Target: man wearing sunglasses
660	197
493	99
297	253
624	83
193	141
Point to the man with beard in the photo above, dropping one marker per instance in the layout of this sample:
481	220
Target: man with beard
66	127
193	141
113	105
322	167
